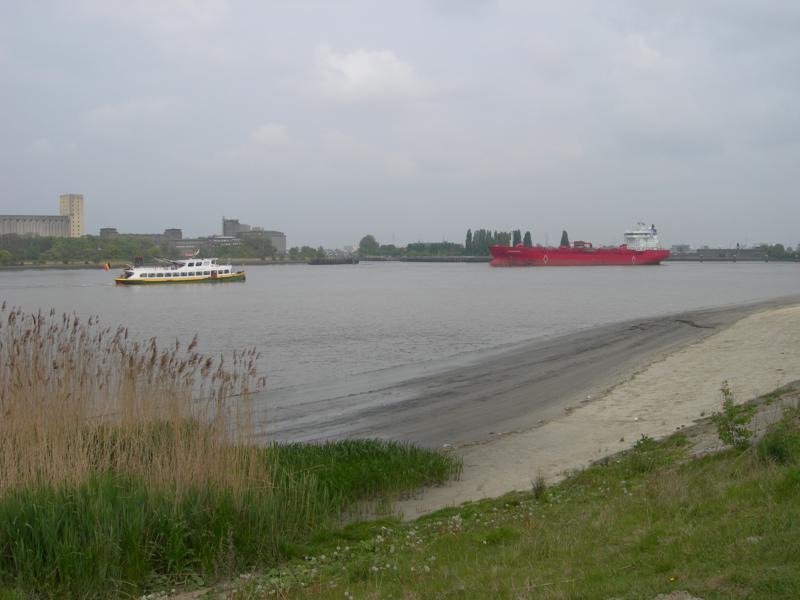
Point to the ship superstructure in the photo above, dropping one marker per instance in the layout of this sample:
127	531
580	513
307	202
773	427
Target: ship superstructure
642	238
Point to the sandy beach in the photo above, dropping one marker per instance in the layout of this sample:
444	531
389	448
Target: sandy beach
755	348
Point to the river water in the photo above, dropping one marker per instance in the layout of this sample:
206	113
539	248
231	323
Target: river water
325	327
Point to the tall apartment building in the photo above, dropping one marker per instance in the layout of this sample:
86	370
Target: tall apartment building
72	207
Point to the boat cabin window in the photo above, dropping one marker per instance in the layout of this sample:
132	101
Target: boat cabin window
159	274
207	273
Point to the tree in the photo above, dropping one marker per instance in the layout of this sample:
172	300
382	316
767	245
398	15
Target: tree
564	239
368	245
527	241
468	242
776	251
517	237
481	239
733	422
6	258
389	250
258	246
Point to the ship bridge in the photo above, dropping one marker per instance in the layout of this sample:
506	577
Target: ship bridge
642	238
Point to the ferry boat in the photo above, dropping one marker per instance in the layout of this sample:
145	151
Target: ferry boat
641	247
190	270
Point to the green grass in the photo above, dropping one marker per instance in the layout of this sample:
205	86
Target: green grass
114	535
646	522
358	470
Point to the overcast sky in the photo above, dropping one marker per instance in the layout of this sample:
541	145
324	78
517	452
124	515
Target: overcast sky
412	120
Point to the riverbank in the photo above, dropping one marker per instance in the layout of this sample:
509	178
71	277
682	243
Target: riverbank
115	265
755	348
666	520
124	466
727	259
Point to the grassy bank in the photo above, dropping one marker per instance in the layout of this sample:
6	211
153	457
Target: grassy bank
650	521
126	467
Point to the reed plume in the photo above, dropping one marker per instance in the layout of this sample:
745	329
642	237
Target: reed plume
78	398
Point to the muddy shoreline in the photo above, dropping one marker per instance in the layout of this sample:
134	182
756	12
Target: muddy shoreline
497	392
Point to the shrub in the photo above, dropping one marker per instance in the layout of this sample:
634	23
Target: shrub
539	487
782	443
645	456
733	422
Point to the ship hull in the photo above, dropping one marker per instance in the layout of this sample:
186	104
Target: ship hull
223	278
505	256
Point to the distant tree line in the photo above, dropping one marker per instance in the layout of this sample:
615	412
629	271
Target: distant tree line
780	251
434	249
306	252
17	249
369	246
475	244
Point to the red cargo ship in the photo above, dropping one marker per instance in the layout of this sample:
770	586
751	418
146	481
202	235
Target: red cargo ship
641	247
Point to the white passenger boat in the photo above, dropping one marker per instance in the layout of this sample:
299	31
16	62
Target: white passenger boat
190	270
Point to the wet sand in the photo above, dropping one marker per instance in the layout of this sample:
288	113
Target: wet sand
607	388
489	394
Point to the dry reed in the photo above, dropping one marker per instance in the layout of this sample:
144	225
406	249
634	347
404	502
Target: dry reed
78	398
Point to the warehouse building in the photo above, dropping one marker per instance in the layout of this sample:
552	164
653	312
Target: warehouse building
67	224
